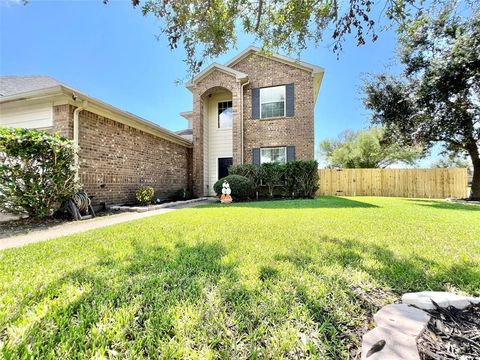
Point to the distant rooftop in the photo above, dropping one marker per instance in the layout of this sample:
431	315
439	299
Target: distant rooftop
185	133
12	85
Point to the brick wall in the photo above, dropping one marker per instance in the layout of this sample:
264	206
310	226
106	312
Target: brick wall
116	159
297	130
215	81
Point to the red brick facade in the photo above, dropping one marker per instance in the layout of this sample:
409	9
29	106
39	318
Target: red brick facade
297	130
116	159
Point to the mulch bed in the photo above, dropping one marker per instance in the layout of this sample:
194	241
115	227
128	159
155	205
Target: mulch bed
27	225
451	334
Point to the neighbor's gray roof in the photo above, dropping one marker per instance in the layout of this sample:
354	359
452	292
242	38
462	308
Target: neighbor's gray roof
12	85
185	133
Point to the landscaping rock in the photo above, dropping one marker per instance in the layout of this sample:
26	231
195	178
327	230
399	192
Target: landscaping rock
398	346
402	318
424	299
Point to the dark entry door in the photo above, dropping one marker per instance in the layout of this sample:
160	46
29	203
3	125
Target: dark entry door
223	164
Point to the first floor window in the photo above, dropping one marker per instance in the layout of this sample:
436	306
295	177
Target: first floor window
275	154
272	102
225	115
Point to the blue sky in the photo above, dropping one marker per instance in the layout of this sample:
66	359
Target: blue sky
110	52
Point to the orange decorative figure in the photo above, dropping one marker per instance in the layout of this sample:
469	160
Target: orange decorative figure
226	191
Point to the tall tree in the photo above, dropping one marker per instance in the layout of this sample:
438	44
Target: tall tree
437	97
207	29
366	149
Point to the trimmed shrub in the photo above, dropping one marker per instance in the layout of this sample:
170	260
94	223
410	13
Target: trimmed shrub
301	178
37	172
144	195
272	176
250	171
241	186
183	194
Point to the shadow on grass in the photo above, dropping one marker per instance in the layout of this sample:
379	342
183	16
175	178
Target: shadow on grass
136	306
146	287
323	202
441	204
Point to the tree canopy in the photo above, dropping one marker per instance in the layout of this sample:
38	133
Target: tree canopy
437	96
207	29
365	149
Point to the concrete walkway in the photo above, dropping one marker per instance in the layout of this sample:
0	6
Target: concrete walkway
85	225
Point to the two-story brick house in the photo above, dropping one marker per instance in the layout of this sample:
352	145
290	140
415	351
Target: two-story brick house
253	109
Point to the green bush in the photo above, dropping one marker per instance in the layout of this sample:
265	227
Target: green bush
295	179
144	195
272	176
182	194
37	171
250	171
241	186
301	178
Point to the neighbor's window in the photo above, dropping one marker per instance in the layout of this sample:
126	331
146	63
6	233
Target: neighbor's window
272	102
276	154
225	115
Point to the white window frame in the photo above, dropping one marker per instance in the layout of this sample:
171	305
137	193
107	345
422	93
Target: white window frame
284	102
223	128
274	147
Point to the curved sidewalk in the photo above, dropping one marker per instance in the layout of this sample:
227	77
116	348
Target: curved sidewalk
84	225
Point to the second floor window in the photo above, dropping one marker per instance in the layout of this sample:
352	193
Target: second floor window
272	102
225	115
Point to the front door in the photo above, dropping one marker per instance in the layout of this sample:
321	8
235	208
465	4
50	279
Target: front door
223	164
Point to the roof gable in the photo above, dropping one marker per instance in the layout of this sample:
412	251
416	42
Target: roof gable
281	58
227	70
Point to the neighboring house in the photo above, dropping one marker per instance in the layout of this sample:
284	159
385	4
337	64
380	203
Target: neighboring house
254	109
118	151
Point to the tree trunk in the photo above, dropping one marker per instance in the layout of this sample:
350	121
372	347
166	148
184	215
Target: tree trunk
474	154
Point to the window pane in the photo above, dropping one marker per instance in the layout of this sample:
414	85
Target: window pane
273	155
225	114
273	109
272	102
272	94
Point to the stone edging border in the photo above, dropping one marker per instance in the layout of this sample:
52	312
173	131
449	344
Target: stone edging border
398	326
141	209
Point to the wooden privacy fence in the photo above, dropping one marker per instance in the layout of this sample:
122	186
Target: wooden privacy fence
419	183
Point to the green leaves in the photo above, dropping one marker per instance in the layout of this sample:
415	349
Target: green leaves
144	195
436	98
366	149
207	29
37	171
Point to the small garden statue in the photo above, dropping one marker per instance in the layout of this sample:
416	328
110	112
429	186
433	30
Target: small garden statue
226	191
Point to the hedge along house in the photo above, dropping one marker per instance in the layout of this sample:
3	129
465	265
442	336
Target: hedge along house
254	109
118	151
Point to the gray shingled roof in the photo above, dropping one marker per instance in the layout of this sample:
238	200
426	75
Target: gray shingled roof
12	85
185	133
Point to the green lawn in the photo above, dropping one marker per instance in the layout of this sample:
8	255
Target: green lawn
262	280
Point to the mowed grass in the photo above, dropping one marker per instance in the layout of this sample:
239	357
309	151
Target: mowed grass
291	279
